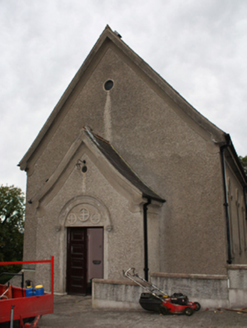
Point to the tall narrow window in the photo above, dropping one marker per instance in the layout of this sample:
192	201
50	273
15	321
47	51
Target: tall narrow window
239	224
229	198
244	223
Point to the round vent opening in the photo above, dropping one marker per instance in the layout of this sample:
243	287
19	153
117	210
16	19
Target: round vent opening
108	85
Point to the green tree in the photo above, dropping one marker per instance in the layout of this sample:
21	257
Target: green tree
243	161
12	209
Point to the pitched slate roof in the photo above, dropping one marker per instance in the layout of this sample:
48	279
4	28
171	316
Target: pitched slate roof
121	166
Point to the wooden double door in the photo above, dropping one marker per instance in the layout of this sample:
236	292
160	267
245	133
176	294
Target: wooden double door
84	258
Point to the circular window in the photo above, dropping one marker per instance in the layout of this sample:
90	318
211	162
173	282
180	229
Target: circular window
108	85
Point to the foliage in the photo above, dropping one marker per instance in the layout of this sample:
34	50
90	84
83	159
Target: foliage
243	161
12	209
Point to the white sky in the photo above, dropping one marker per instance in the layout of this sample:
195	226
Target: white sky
197	46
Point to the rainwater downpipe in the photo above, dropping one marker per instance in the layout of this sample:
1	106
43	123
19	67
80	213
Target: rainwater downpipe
145	227
222	152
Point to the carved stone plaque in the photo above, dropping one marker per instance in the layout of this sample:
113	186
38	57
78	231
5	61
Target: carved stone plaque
95	218
83	215
72	218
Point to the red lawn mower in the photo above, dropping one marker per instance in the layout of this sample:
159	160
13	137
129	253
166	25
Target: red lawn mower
155	300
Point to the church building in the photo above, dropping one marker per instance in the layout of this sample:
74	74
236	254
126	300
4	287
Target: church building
126	173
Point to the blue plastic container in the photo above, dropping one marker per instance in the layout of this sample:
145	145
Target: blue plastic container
30	292
39	290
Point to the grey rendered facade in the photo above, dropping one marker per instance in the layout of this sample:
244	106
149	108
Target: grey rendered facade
170	146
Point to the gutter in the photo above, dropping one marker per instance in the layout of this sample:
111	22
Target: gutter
222	152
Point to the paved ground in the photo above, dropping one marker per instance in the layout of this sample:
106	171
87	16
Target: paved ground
76	312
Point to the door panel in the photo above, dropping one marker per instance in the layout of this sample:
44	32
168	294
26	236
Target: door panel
76	261
95	253
84	258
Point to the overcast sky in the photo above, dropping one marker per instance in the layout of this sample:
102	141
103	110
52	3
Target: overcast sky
197	46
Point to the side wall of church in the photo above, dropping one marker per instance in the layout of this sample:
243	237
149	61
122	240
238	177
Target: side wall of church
237	217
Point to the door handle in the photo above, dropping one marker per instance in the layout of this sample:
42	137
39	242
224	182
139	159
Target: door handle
97	262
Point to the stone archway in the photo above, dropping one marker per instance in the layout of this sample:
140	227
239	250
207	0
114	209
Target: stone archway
82	211
85	211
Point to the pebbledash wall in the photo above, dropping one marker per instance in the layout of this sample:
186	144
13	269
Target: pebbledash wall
170	146
211	291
